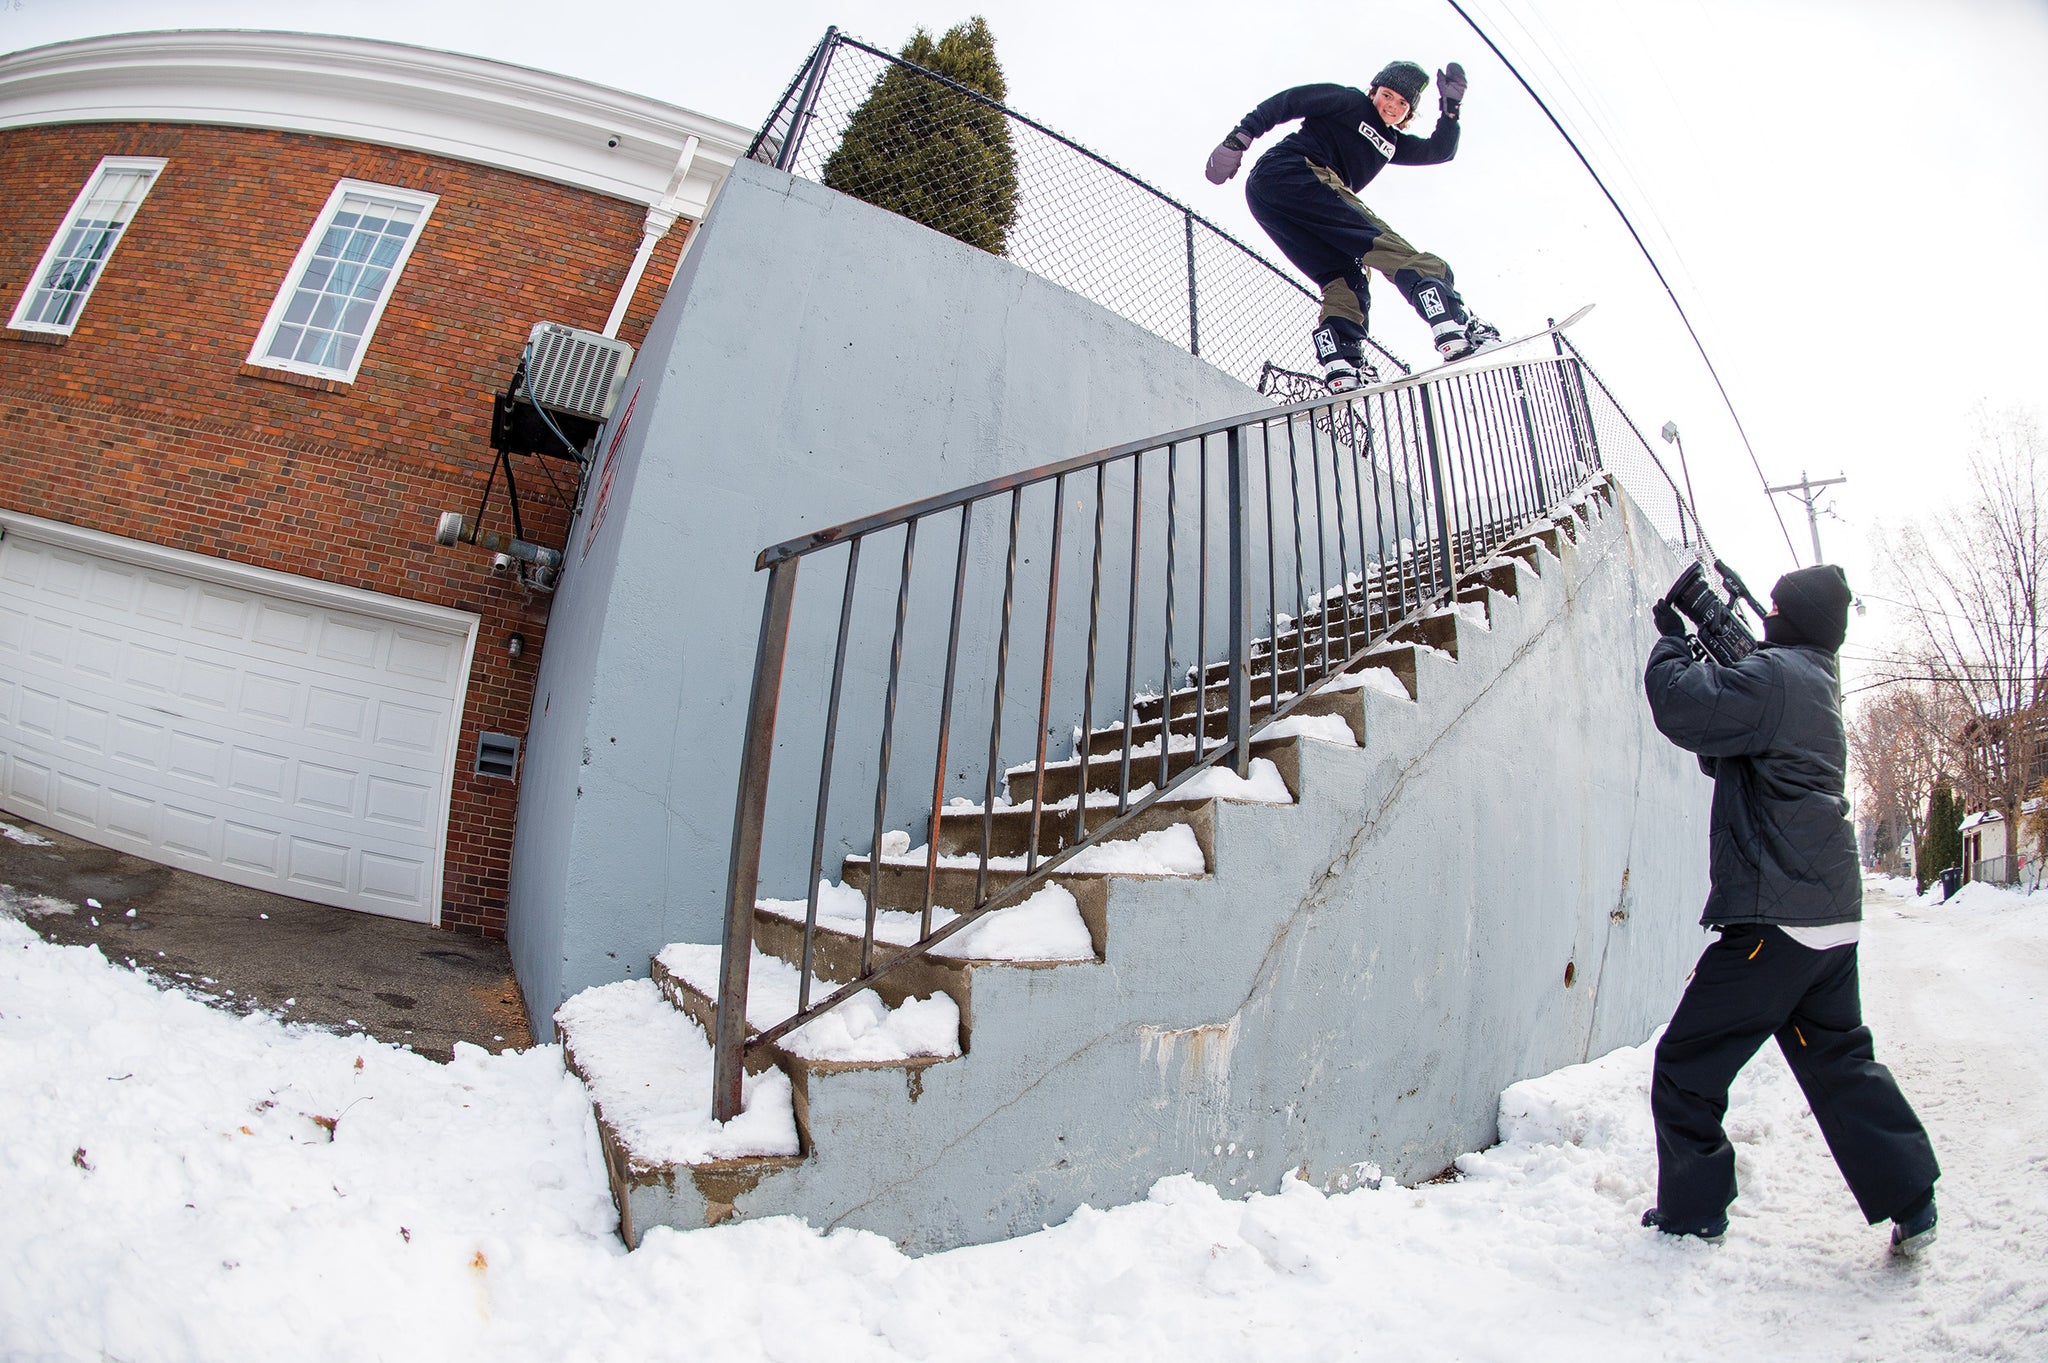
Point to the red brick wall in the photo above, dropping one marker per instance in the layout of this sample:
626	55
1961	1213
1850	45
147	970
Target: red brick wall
146	422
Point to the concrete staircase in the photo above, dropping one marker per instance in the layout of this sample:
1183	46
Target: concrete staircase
1251	1022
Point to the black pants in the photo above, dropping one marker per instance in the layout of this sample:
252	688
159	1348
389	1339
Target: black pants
1333	238
1756	983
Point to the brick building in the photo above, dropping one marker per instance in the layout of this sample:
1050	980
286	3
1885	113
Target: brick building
261	290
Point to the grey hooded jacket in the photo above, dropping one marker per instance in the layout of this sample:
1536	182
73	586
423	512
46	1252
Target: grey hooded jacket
1769	731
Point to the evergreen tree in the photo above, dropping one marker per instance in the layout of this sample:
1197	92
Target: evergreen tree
1942	846
922	149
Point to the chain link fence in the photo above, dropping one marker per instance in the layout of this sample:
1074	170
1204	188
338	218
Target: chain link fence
1624	450
1070	216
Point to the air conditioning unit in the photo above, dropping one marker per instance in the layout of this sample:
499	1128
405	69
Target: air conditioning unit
577	373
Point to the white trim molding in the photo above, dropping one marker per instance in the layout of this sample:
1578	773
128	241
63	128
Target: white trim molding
310	591
471	109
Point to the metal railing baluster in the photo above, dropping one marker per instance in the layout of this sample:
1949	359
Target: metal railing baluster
931	861
1240	691
803	988
995	728
1130	714
867	941
1088	694
1166	639
1052	598
743	874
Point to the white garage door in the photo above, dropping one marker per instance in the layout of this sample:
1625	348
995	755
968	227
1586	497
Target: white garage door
263	729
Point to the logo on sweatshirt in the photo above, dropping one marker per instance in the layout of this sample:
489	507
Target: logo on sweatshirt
1384	147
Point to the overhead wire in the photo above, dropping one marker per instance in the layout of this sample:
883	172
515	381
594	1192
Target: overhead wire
1655	269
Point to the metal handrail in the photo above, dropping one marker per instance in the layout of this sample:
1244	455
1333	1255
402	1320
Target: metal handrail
1404	485
794	152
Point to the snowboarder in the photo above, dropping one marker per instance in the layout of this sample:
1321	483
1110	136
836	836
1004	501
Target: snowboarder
1304	192
1786	896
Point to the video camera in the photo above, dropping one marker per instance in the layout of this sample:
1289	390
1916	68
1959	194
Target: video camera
1721	631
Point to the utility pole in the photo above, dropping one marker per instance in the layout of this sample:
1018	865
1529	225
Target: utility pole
1808	491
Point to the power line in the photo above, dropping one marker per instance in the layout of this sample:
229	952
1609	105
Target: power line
1655	269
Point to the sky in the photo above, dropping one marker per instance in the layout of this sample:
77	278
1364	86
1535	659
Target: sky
1844	195
186	1183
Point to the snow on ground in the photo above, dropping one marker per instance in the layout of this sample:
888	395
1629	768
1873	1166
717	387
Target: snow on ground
185	1184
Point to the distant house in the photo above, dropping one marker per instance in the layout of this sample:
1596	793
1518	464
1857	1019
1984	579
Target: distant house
261	290
1991	851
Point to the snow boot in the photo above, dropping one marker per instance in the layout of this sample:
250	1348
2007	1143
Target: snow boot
1913	1228
1710	1233
1341	354
1466	340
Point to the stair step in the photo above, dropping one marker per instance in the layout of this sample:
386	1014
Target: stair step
1110	739
648	1070
1105	771
900	886
960	827
863	1030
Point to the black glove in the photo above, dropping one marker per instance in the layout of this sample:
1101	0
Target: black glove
1668	620
1228	156
1450	89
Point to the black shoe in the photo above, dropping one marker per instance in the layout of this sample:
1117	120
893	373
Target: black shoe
1710	1233
1913	1228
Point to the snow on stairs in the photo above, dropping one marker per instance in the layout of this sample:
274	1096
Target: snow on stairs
641	1046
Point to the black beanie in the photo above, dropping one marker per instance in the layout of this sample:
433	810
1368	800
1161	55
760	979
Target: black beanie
1812	608
1405	79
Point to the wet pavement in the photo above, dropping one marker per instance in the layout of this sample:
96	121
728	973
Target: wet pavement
400	982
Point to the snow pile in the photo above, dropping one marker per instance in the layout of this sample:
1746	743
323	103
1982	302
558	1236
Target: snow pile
860	1028
22	836
649	1067
1265	785
408	1210
1046	926
1322	728
1380	679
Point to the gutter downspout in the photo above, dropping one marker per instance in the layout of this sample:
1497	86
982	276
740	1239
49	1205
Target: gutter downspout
660	218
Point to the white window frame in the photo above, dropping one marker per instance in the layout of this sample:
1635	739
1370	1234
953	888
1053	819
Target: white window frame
152	167
275	318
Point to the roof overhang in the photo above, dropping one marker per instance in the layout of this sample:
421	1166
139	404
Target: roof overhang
489	113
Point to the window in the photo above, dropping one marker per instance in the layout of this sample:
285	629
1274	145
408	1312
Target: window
324	316
79	252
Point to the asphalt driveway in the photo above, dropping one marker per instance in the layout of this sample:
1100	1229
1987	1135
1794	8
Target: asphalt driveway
246	949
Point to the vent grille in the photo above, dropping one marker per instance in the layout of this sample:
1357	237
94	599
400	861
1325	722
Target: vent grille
578	372
497	755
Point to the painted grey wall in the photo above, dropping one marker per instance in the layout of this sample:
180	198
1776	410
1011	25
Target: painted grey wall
816	359
1358	979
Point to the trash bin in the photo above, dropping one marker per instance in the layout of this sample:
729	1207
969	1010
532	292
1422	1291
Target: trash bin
1951	881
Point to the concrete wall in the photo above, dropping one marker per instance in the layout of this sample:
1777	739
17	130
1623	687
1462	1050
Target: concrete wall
816	359
1356	981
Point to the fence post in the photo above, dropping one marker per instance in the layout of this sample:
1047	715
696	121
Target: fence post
743	874
1240	684
798	120
1194	321
1436	487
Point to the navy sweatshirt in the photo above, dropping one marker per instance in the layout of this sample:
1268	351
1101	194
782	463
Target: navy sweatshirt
1341	130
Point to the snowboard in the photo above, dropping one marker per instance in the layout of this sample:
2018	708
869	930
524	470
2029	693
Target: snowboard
1510	344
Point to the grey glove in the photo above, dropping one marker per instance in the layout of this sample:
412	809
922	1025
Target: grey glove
1667	620
1228	156
1450	89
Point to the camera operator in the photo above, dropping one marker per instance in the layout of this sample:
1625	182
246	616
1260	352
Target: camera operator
1787	900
